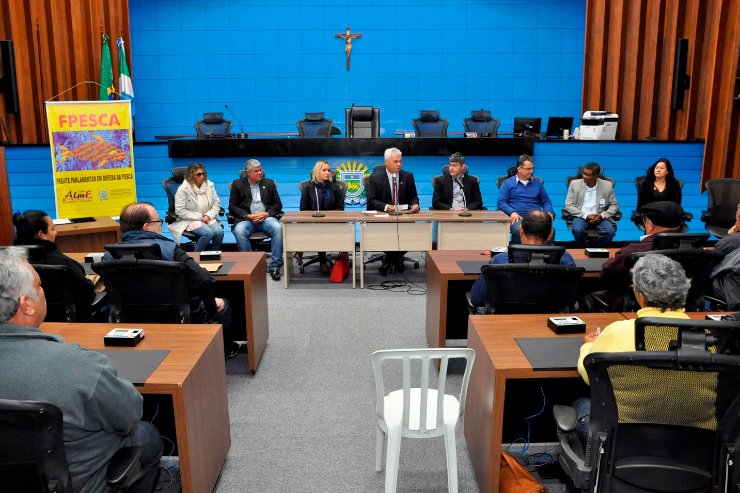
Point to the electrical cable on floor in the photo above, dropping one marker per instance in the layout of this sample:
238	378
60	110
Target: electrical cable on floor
523	452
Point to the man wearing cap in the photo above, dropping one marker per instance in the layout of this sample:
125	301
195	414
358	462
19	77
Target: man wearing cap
592	204
659	217
457	191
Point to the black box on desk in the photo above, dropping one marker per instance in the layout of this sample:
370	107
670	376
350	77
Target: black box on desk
123	337
566	325
210	255
597	253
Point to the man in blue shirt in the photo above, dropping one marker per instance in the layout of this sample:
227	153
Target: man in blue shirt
536	230
521	193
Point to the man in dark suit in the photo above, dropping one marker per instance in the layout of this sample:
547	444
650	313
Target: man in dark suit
254	202
387	190
457	191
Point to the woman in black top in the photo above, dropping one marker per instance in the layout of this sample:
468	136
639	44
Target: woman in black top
660	184
322	194
35	228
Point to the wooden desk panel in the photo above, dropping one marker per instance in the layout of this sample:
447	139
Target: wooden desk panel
480	231
194	375
88	237
499	360
250	272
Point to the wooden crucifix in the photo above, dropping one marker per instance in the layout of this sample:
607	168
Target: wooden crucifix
348	37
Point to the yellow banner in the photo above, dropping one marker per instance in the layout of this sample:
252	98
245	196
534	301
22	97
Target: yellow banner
92	155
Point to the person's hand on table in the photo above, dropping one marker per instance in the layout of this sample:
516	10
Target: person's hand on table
414	208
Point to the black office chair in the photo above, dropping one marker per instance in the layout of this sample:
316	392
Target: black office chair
170	186
663	418
300	259
213	126
511	171
260	241
32	457
592	234
723	195
61	303
480	122
429	124
533	282
315	126
146	291
637	218
362	122
687	250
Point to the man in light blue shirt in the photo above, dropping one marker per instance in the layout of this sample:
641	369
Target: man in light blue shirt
521	193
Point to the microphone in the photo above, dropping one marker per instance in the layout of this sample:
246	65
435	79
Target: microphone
242	134
464	213
318	204
395	212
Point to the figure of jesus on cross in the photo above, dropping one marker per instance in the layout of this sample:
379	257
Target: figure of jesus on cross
348	37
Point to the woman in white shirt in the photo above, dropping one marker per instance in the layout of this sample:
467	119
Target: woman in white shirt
197	206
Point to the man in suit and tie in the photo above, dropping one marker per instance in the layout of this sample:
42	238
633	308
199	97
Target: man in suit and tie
389	190
457	191
592	203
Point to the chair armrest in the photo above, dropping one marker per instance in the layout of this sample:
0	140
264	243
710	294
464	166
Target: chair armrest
221	211
124	468
229	218
98	300
706	215
566	417
617	216
170	218
687	216
566	216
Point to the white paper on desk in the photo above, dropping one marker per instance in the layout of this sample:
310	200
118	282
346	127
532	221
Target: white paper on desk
57	222
403	207
381	215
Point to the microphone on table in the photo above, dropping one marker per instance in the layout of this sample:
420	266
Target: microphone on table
318	204
242	134
464	213
395	212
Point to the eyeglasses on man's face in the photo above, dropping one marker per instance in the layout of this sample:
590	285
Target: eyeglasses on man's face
158	221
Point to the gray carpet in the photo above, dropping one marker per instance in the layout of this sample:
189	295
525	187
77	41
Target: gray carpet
305	421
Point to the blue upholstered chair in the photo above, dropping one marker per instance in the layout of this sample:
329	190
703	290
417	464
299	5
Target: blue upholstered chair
212	125
481	122
314	125
429	124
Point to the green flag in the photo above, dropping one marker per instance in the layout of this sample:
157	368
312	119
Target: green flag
106	72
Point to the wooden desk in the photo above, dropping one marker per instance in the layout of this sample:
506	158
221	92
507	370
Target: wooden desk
194	376
88	237
405	232
446	286
481	231
498	361
245	285
304	233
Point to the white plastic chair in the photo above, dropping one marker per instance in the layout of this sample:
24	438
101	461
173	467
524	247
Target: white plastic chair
399	413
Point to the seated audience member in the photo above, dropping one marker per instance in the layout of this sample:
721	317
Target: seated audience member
726	275
536	230
457	191
659	217
322	194
140	223
521	193
660	185
661	288
37	228
197	206
592	204
101	412
387	188
254	202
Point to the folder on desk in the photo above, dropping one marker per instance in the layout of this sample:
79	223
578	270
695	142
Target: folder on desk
551	353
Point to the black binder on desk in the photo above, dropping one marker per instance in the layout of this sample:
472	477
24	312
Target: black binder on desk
551	353
135	365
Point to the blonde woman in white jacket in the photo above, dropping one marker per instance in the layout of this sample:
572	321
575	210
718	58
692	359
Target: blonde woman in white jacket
197	206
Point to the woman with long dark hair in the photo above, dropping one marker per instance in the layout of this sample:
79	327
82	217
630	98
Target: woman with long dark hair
660	184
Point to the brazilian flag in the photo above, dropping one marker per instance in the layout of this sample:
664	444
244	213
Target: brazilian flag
107	91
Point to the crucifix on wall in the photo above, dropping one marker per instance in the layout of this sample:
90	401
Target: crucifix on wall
348	37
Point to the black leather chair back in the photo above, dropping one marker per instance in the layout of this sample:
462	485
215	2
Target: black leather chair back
723	195
362	122
170	186
146	291
61	304
32	457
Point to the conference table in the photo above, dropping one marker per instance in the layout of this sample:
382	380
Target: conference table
88	236
243	280
191	380
379	231
447	306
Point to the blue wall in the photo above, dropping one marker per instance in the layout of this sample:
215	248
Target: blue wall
272	61
31	185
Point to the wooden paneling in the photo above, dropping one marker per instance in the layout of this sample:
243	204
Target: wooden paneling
628	69
57	45
6	208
